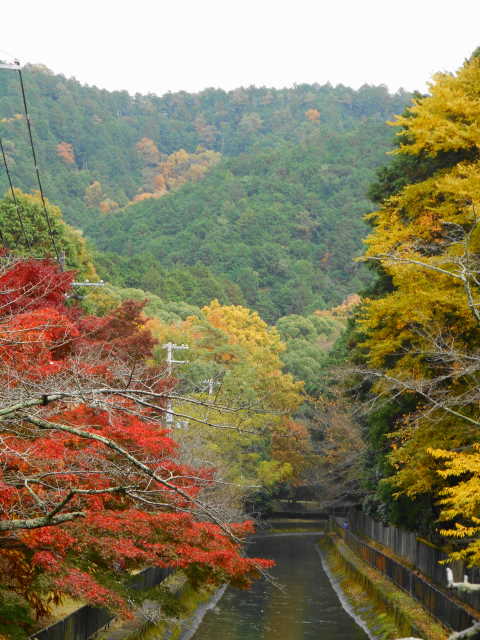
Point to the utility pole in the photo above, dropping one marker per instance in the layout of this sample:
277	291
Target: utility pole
171	348
13	67
211	385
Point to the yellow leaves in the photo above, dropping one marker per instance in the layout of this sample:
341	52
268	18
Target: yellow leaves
160	184
459	531
420	299
242	351
416	469
164	173
343	310
93	194
271	472
143	196
423	296
108	205
418	215
447	120
460	500
239	340
243	325
148	151
15	118
421	210
458	463
415	331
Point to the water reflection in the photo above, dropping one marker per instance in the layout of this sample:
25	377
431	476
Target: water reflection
307	609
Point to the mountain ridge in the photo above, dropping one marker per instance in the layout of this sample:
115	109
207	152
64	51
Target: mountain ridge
282	171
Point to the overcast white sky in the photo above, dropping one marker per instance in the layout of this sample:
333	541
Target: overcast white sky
154	46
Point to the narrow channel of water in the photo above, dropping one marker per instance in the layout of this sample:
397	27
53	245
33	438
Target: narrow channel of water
307	609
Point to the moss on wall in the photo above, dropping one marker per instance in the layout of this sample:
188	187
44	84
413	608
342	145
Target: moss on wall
388	612
165	614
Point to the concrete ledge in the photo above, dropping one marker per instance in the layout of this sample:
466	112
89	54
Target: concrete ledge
387	610
86	621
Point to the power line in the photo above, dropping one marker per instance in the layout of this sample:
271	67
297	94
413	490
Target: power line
37	171
15	66
14	197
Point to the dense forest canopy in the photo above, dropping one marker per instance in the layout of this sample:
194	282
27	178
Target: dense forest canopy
282	224
252	196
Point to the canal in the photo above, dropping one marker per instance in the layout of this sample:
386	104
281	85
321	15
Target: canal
306	608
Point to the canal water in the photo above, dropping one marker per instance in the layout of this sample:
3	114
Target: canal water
307	607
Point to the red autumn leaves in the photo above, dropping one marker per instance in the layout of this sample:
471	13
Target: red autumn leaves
75	443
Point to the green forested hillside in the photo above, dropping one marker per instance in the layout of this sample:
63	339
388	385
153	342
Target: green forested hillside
269	216
282	224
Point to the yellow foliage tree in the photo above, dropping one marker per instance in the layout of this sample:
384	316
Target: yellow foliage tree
426	238
461	500
237	349
164	173
148	151
261	348
108	205
93	195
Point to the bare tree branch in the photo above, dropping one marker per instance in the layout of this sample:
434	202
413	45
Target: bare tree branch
44	424
36	523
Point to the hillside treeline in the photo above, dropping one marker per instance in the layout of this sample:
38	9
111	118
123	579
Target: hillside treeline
282	224
252	196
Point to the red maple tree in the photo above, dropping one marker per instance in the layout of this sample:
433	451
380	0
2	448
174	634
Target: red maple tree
90	483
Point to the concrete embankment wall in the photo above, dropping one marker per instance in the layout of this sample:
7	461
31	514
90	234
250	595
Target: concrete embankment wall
443	606
416	552
88	620
383	609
